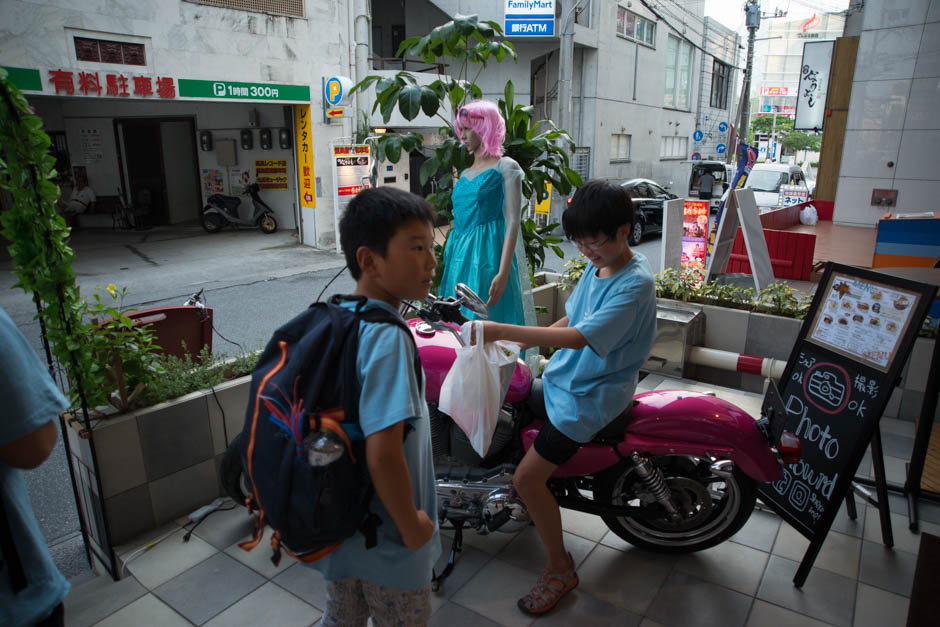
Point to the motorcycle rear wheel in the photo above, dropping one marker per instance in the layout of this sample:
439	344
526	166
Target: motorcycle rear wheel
718	506
233	478
268	224
212	222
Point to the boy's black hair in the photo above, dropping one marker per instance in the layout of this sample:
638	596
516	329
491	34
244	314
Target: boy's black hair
373	217
597	207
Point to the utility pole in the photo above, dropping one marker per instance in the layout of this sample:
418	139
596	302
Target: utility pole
752	21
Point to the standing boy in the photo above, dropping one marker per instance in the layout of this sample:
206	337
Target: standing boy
387	239
605	338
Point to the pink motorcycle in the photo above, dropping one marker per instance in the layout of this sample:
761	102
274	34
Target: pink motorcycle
676	472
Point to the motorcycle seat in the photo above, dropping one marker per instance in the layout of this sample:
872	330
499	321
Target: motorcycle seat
612	432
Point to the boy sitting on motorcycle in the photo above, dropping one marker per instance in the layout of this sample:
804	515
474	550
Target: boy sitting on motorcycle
604	340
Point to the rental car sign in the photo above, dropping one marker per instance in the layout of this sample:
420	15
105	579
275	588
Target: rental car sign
529	18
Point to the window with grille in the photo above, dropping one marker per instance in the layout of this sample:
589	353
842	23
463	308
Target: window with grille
677	94
291	8
673	147
620	147
720	75
104	51
581	162
636	28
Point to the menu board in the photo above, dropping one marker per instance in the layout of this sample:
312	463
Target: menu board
694	236
862	319
835	387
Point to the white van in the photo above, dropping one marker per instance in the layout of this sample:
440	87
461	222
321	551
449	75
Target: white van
722	173
766	178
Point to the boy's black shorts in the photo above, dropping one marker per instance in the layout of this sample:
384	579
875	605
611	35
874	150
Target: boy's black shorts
553	445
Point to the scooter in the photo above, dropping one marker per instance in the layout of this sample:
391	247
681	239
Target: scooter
676	472
221	210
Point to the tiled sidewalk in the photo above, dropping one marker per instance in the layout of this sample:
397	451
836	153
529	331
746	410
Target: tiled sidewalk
747	581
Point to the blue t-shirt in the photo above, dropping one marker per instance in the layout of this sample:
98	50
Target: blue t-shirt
391	394
30	400
587	388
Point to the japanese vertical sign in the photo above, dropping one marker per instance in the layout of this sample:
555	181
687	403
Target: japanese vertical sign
307	185
814	84
694	232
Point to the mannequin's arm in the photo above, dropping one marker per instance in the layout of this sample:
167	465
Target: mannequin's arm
512	207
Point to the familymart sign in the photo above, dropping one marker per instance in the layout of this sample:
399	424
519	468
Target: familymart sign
529	18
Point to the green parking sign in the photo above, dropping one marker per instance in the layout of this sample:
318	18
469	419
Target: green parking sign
229	90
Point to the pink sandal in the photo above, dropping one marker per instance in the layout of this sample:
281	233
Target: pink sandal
548	591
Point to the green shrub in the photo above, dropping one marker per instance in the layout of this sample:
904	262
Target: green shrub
185	375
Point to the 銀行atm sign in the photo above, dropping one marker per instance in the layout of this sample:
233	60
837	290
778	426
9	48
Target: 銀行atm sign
529	18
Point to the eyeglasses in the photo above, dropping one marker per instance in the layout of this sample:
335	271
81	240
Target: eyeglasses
592	246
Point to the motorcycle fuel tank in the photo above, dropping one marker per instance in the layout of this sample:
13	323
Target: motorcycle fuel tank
438	350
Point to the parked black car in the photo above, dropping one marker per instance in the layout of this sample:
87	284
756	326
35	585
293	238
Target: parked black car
648	198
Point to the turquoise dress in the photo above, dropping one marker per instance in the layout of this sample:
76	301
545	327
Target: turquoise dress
475	245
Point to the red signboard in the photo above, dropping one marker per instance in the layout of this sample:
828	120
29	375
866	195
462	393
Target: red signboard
91	84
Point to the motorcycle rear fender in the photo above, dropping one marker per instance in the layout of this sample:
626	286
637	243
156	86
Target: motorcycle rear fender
693	420
678	422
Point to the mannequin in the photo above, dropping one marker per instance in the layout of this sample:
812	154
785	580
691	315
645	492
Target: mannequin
484	248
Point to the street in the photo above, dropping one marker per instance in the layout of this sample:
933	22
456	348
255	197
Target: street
254	283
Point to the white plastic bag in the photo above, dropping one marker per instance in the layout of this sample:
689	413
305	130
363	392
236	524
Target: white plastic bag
474	388
808	215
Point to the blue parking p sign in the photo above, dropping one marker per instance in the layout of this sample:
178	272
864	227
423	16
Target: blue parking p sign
720	149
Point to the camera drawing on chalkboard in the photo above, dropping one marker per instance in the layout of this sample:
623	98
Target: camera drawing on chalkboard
826	387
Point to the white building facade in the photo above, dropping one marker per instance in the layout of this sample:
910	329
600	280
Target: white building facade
778	57
165	103
168	102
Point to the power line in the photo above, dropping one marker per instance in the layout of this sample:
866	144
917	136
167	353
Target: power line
683	36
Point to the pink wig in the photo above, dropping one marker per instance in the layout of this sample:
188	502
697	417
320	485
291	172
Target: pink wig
483	118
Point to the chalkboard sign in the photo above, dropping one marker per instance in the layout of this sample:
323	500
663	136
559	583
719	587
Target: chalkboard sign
844	365
832	407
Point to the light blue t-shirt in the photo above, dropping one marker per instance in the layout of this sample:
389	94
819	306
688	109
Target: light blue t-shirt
587	388
391	394
30	400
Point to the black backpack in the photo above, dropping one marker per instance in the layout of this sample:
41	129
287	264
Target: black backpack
306	380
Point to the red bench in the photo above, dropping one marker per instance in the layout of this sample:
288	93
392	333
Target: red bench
791	254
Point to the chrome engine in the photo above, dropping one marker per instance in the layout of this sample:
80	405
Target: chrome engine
481	498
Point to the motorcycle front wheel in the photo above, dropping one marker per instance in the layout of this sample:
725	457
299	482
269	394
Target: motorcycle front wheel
212	222
714	507
268	224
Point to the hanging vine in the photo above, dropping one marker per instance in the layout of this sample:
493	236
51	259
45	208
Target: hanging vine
38	238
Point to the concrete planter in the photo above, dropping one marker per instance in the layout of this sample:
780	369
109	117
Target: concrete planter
550	295
155	464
